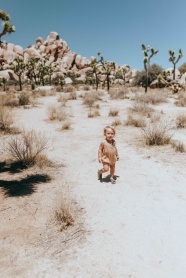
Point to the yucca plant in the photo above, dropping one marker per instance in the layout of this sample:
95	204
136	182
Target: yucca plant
146	60
174	60
18	66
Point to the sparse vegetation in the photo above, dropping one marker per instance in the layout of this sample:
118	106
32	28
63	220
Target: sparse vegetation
65	213
181	121
24	98
89	99
151	98
55	112
135	120
6	119
113	112
116	122
157	133
178	146
66	125
181	99
141	107
26	147
118	94
93	114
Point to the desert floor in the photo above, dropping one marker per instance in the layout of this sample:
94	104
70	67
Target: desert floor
135	228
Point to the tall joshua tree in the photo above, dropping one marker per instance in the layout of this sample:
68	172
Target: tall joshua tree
146	60
107	68
7	27
95	69
174	60
18	66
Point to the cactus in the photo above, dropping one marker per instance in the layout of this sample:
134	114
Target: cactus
146	60
7	27
174	60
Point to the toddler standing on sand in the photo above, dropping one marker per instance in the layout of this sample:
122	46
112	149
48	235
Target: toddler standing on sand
108	153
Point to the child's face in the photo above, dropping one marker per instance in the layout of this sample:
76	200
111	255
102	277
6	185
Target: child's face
109	134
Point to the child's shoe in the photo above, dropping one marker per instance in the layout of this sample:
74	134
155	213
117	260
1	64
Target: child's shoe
99	175
112	180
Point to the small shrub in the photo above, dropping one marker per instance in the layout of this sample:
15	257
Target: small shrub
157	134
66	125
178	146
42	161
181	121
9	100
151	98
118	94
69	89
181	99
65	213
89	99
113	112
26	147
93	114
56	113
6	119
135	120
86	88
141	107
63	99
73	96
116	122
24	99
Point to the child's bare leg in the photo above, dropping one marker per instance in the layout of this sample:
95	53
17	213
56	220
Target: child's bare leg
105	168
112	170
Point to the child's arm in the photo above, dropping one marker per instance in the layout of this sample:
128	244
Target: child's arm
100	152
117	154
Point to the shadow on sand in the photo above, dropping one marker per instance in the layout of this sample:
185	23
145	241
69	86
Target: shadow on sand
23	187
12	168
107	179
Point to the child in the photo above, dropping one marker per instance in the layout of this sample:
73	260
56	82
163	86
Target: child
108	153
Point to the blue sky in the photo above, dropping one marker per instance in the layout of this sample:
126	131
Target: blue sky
115	28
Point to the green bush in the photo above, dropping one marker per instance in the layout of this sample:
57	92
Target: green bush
153	72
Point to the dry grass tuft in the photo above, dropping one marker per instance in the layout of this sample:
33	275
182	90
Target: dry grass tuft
26	147
141	107
89	99
151	98
24	98
178	146
66	125
113	112
55	112
6	119
181	99
118	93
73	96
135	120
63	99
93	114
157	133
116	122
181	121
42	161
9	100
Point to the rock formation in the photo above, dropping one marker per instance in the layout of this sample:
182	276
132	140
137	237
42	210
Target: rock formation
56	51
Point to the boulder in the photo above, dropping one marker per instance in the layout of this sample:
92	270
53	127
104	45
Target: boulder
9	55
52	37
8	75
81	78
68	60
18	50
119	81
40	40
32	52
10	46
68	80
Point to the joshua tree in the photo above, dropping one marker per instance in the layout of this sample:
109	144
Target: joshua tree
95	67
107	68
31	69
18	66
7	27
146	60
174	60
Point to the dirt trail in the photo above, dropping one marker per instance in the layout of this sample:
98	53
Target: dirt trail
135	228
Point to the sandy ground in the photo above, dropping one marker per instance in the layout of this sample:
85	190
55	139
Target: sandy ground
135	228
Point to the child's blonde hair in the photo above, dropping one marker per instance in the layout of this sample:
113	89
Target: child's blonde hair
107	127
